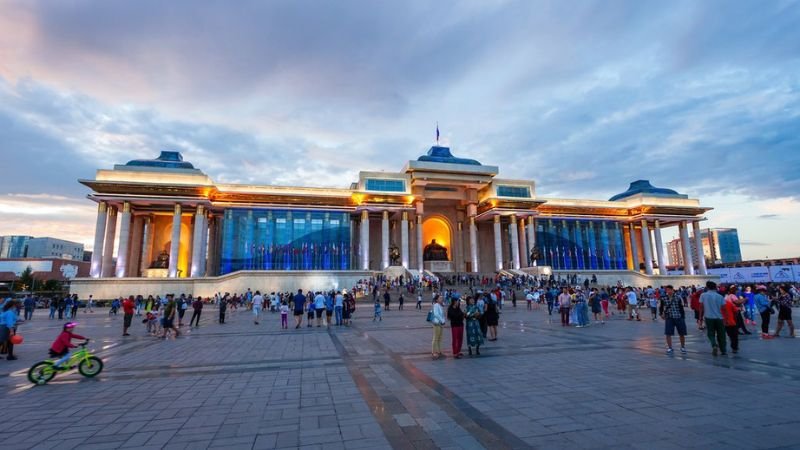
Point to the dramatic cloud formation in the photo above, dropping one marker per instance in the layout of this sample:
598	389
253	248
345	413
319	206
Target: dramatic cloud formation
583	97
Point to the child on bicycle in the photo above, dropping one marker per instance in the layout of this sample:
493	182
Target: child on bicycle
62	344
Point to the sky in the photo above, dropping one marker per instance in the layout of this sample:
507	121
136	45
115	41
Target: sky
583	97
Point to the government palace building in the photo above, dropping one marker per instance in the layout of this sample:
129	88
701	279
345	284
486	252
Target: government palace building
439	214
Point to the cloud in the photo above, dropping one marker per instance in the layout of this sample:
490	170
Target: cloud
584	98
769	216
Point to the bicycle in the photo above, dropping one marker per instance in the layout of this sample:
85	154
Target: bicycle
88	365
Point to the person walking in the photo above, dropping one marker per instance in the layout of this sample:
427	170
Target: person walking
492	319
712	302
671	310
456	317
438	322
298	303
338	304
90	304
632	304
170	311
53	304
197	309
62	305
377	312
764	307
223	307
29	304
319	307
387	298
784	310
75	305
730	309
183	305
400	301
474	335
8	327
419	300
564	302
257	302
128	307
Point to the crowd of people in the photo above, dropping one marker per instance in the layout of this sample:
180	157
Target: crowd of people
471	305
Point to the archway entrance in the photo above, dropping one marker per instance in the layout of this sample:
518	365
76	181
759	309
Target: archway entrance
439	229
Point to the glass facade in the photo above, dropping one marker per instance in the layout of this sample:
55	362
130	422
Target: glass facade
568	244
277	239
514	191
385	185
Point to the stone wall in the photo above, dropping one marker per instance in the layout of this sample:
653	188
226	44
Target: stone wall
278	281
638	279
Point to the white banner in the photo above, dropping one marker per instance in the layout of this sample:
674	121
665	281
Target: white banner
724	274
781	274
17	267
749	275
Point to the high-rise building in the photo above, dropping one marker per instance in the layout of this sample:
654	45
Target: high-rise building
14	246
47	247
721	245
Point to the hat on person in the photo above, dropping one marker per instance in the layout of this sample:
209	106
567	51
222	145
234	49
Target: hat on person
70	324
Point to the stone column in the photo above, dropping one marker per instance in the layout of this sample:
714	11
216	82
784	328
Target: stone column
662	267
385	240
124	241
531	239
634	247
459	266
364	228
147	245
404	239
203	246
698	242
473	244
512	227
688	263
523	244
108	247
96	269
420	259
498	245
197	242
174	247
210	269
648	255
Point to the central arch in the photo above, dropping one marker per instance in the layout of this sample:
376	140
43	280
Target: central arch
438	227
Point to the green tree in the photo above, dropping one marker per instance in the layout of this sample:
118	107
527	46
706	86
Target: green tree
27	279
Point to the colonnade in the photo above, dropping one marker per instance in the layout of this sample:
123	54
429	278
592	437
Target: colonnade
135	242
647	243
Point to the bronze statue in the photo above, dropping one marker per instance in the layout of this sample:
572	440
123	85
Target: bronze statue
534	254
435	252
162	262
394	255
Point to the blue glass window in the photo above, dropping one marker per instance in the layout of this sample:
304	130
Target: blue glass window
568	244
285	240
378	184
513	191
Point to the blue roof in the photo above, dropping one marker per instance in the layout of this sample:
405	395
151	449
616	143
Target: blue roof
443	155
167	159
644	187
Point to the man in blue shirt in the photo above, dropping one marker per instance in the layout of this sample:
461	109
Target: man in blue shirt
712	303
29	303
299	301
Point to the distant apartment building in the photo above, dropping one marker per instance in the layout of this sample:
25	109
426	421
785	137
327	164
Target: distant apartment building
720	246
14	246
47	247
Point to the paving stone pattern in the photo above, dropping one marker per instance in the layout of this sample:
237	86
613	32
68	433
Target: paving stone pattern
374	385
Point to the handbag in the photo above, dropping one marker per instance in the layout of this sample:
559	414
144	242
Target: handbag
430	316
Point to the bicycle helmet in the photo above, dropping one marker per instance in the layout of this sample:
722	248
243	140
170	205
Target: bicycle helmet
69	325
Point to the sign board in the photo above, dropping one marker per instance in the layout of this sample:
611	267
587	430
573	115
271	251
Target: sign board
749	275
781	274
723	273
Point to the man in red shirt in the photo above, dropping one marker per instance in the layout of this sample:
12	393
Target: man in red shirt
697	307
128	307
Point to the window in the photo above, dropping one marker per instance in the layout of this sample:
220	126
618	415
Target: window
513	191
377	184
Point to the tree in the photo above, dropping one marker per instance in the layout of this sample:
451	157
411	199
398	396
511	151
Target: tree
26	279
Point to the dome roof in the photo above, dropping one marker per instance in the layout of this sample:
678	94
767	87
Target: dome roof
167	159
443	155
644	187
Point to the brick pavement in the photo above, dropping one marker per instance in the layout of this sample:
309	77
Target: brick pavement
239	385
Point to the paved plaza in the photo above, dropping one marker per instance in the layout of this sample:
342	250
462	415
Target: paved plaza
372	386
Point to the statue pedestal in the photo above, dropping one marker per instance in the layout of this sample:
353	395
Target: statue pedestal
439	266
156	273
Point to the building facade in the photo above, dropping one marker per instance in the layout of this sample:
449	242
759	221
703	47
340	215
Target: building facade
440	213
719	246
47	247
14	246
